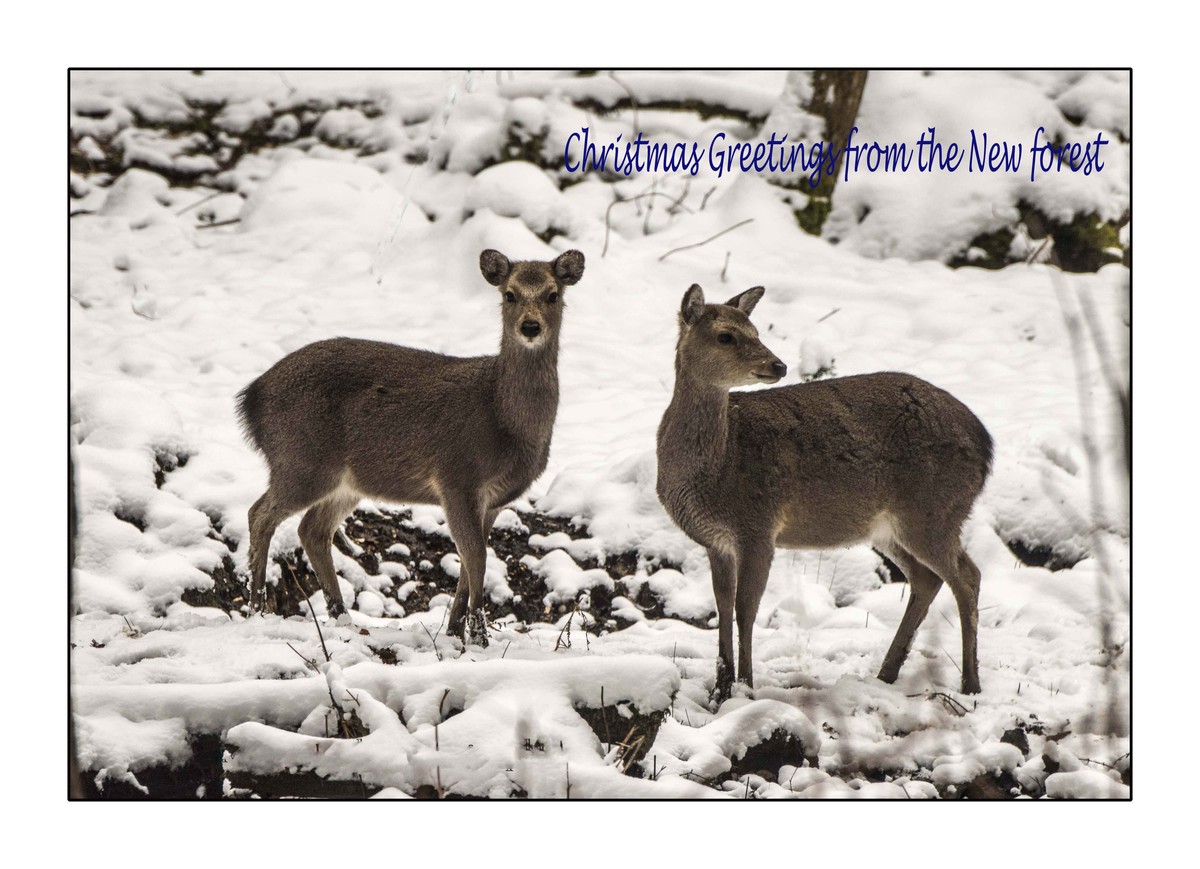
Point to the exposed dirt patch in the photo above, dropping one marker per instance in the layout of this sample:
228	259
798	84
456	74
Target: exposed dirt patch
1041	555
373	538
627	729
299	785
779	749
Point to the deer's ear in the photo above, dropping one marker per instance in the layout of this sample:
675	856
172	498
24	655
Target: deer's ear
746	301
495	267
568	267
693	305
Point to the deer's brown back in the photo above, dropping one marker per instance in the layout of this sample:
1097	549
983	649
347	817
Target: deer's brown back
407	424
818	463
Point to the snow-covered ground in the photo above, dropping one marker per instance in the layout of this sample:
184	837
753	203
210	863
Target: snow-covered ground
371	226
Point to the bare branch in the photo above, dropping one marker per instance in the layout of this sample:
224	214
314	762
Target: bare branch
199	202
305	598
433	640
632	100
707	240
675	205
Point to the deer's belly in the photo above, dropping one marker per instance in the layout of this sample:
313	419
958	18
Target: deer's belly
830	529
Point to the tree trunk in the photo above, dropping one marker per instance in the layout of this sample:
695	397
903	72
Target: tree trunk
836	94
830	98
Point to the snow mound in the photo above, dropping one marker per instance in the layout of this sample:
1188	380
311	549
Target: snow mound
1085	784
303	192
709	751
521	190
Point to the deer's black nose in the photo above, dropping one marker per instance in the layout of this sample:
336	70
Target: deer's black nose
778	369
531	328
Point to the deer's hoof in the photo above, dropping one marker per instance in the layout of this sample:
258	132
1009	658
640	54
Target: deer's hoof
724	684
476	634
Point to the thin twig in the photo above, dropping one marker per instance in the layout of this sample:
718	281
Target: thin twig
649	208
630	747
437	746
1107	584
1035	256
309	662
198	202
725	268
433	640
296	582
957	708
952	661
707	240
650	193
632	100
219	223
1102	763
678	203
830	314
567	629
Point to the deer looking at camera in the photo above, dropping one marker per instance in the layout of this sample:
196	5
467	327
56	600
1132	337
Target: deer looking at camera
344	419
881	458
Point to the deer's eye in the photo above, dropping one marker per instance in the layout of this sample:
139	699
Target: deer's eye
725	338
509	297
552	298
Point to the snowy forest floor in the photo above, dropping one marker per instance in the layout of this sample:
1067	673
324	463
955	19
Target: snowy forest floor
211	217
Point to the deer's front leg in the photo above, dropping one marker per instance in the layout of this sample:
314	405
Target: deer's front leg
754	566
724	580
466	520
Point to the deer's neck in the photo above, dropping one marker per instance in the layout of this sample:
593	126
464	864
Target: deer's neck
527	388
695	427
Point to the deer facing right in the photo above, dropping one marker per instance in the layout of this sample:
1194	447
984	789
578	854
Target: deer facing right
881	458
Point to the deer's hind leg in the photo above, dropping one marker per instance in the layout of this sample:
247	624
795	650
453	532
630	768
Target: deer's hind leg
966	595
265	516
946	558
923	586
316	536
